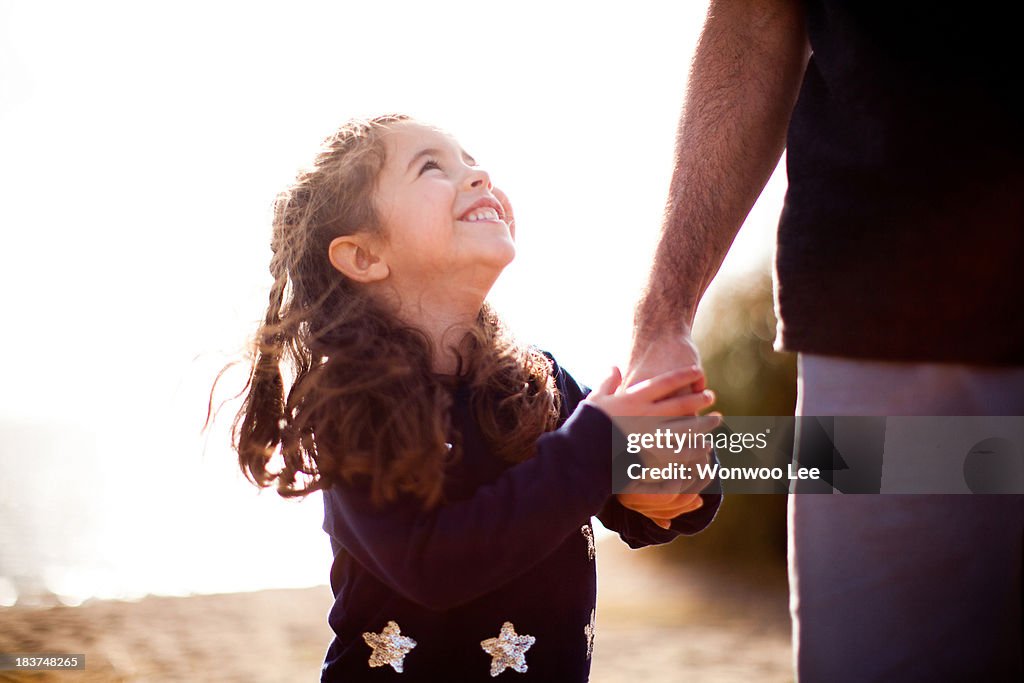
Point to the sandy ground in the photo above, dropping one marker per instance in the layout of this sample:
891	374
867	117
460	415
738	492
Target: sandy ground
661	623
656	623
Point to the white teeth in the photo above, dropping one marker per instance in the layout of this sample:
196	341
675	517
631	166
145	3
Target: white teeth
483	214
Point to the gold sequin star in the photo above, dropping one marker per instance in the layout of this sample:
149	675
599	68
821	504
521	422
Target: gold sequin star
588	534
588	630
389	646
508	650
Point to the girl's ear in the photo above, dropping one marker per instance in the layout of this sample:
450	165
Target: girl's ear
356	257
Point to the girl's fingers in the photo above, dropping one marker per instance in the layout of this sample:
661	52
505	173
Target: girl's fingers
666	384
611	383
688	404
707	423
662	505
661	511
699	424
711	420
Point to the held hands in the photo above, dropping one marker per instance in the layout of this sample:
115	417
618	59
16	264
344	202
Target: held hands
655	397
673	394
663	353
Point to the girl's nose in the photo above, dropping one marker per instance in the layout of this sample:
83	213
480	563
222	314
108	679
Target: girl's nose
477	177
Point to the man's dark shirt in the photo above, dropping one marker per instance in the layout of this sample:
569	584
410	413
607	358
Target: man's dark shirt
902	235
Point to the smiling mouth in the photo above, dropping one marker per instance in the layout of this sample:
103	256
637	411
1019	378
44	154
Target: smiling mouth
484	213
484	210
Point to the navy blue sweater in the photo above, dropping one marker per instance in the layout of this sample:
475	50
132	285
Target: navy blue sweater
513	544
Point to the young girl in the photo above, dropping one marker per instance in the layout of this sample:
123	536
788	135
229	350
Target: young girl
459	469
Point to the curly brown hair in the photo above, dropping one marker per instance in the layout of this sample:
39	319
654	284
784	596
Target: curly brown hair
362	400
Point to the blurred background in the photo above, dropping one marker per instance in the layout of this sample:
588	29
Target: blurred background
142	146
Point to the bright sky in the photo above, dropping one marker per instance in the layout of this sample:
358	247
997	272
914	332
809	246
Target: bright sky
141	147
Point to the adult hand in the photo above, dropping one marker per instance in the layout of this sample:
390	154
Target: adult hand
649	359
653	356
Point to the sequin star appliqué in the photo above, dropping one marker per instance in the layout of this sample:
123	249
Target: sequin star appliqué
508	650
588	631
389	646
588	534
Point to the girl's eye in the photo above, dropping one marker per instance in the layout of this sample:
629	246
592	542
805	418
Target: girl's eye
429	165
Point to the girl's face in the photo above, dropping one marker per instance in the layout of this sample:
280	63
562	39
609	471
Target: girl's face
446	228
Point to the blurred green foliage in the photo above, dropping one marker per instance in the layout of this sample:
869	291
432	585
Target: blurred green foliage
735	336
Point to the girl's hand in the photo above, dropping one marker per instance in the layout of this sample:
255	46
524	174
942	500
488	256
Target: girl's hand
657	404
660	397
661	508
655	397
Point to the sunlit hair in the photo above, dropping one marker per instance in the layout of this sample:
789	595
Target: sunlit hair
361	400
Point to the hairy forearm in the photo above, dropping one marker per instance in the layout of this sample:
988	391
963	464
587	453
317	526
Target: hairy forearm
743	83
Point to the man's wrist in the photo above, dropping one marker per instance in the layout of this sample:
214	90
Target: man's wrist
655	320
